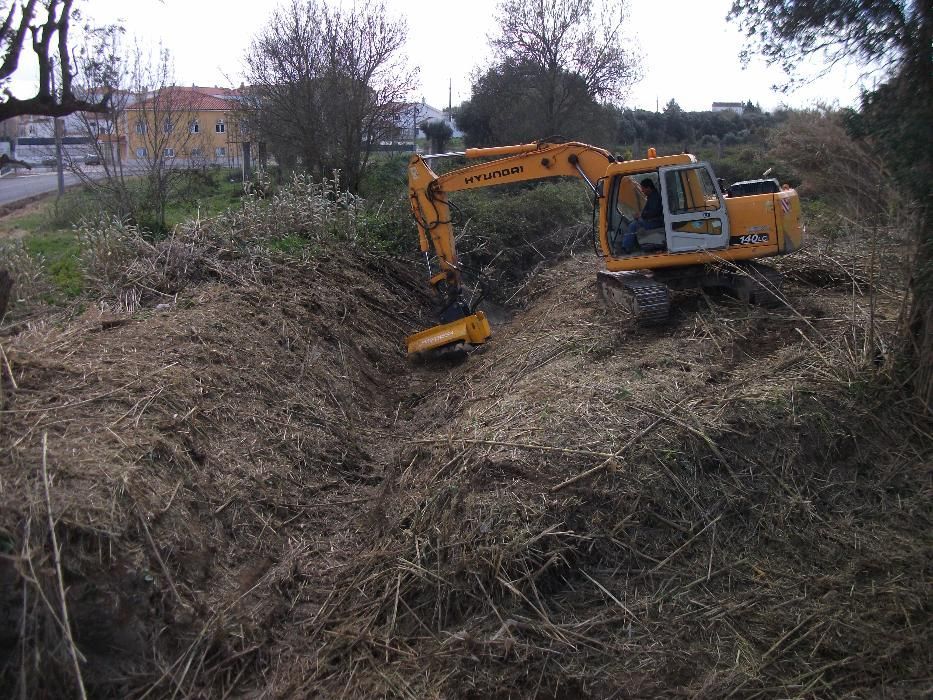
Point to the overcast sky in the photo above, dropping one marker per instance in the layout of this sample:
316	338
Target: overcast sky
690	52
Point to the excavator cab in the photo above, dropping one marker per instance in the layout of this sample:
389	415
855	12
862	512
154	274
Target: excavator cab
695	216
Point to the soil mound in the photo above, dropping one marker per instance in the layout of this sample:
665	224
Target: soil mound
254	493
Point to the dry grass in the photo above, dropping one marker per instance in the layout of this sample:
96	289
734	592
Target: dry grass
254	492
747	527
31	282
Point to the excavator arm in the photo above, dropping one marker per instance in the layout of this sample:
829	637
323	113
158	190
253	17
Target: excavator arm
428	194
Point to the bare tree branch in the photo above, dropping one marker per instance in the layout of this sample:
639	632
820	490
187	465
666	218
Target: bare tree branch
58	15
14	42
327	84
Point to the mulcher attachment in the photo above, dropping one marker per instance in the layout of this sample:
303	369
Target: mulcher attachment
449	338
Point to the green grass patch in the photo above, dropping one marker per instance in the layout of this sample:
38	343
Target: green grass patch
54	213
31	222
288	245
60	251
386	176
204	194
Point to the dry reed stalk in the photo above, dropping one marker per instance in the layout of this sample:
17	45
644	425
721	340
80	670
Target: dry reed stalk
9	369
56	560
520	445
609	460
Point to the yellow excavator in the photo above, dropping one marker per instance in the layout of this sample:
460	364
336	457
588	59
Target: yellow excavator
706	238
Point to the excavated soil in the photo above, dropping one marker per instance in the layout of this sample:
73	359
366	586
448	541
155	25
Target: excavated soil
255	494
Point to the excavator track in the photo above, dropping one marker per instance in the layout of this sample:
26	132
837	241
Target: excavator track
647	299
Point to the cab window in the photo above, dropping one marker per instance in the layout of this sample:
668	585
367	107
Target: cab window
690	190
628	197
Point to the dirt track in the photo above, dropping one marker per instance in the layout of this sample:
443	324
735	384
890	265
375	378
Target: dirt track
257	493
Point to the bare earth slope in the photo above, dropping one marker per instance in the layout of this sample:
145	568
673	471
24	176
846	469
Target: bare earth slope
257	495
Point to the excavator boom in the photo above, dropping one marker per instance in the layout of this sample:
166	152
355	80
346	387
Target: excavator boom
428	195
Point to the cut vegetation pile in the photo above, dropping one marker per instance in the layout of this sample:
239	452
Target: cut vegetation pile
254	492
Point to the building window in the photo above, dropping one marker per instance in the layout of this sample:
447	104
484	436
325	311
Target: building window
168	127
195	127
220	152
169	152
141	153
220	127
196	153
141	127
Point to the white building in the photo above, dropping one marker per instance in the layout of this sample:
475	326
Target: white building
737	107
417	113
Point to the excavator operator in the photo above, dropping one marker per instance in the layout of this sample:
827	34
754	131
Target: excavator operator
652	216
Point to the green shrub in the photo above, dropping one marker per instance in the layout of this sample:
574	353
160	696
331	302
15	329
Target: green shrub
508	232
290	245
69	210
388	225
386	176
741	163
203	193
824	220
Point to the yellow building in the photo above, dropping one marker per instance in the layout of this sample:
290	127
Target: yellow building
186	126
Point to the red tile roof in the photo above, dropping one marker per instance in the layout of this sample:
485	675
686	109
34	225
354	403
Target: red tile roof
195	98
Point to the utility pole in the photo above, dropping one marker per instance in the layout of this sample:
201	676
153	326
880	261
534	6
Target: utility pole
247	164
58	156
58	141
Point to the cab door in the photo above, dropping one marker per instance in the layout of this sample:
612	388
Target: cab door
695	215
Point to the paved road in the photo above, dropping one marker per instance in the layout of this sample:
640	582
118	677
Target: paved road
29	184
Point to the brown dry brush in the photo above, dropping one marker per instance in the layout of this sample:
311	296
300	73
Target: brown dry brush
713	559
253	491
763	540
858	193
179	438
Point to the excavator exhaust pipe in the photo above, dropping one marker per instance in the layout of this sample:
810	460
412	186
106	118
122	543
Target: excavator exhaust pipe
473	330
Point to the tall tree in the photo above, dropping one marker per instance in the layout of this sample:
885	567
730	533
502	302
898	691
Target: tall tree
164	118
146	112
438	132
327	84
565	48
896	38
505	107
105	67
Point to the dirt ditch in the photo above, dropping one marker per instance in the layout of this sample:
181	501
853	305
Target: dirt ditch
255	494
